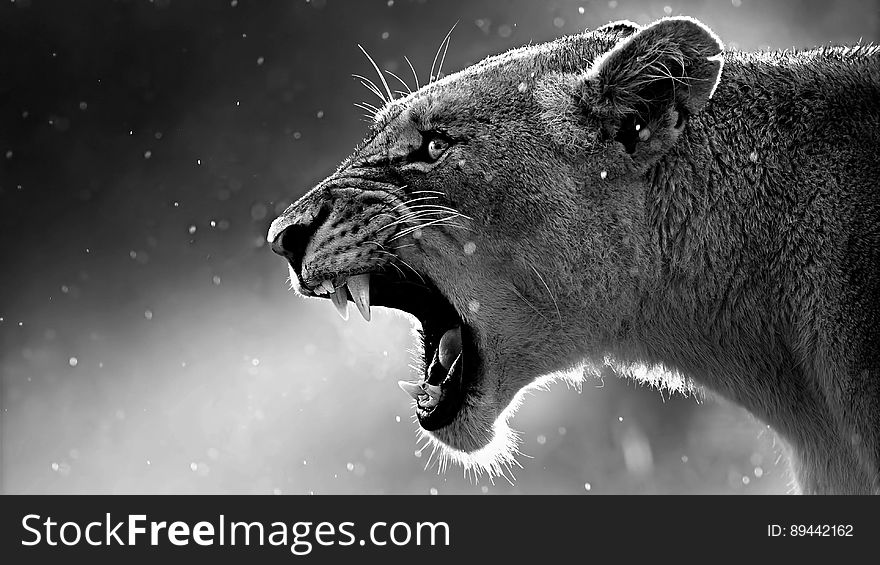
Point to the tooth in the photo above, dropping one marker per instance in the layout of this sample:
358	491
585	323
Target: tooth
411	388
359	286
430	402
328	286
340	300
433	391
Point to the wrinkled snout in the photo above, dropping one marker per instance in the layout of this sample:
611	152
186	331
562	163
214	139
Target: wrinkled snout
291	232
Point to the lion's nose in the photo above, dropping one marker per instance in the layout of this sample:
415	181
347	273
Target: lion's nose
291	232
288	242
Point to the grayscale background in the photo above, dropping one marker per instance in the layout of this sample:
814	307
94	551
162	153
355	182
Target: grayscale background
148	342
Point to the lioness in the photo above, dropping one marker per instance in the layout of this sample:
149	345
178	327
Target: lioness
633	196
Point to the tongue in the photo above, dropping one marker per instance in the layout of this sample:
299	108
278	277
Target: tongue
450	347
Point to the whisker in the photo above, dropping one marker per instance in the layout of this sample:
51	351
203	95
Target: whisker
435	207
551	296
370	112
366	106
408	231
414	200
437	55
413	69
425	214
428	192
406	265
523	298
409	219
381	76
401	81
442	60
371	86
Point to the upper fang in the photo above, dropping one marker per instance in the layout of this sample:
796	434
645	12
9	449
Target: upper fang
340	300
359	287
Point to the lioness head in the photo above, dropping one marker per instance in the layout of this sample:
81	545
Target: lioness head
503	207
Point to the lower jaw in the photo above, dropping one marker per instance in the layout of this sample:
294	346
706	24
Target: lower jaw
447	378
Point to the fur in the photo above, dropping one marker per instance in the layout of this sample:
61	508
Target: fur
641	196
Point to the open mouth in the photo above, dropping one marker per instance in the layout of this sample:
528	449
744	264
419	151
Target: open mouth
450	354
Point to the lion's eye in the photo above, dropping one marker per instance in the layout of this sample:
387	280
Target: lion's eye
436	147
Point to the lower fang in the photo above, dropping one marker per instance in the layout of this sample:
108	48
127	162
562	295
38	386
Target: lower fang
412	389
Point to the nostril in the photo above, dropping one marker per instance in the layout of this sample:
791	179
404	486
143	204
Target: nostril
290	233
291	244
277	245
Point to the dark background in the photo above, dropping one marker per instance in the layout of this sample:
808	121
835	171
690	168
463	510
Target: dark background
148	342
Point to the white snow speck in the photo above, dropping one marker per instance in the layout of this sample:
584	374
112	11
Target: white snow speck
469	248
193	466
588	487
433	491
148	314
541	439
216	280
73	361
603	175
474	306
580	10
260	60
620	418
349	466
148	154
192	230
667	10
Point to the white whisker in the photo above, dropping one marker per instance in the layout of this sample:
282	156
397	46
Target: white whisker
379	72
401	81
413	69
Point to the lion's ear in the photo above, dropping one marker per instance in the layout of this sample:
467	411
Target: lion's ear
655	78
639	94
